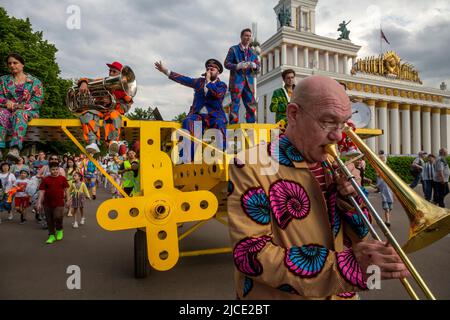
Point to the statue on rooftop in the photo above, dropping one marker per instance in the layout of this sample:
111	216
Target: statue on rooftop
344	31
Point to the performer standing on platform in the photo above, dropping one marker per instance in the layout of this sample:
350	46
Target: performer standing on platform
243	64
21	96
208	97
112	118
282	96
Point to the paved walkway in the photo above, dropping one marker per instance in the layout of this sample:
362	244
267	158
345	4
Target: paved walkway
30	269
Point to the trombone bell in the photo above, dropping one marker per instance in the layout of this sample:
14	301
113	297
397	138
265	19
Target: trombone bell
428	222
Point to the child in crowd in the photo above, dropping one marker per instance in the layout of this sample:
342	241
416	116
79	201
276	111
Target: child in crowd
53	189
113	170
90	175
387	199
78	192
33	191
71	168
22	199
8	180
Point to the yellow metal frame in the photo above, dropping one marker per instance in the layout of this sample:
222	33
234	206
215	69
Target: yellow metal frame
160	207
171	195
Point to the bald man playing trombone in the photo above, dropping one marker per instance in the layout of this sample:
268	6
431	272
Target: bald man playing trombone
295	234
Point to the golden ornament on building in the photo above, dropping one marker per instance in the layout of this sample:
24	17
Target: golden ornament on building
387	65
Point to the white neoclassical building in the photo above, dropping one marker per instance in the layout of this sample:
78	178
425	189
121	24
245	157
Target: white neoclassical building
413	117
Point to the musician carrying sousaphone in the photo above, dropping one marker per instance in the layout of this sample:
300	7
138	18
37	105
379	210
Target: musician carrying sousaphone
111	116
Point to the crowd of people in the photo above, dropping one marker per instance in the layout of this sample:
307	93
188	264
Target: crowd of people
434	173
52	187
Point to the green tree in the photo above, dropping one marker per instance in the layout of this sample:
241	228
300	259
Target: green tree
16	35
180	117
143	114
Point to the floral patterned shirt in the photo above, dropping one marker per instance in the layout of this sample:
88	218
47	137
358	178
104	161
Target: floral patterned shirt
30	94
287	235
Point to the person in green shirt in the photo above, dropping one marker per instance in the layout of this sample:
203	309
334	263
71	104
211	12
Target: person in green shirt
130	173
282	96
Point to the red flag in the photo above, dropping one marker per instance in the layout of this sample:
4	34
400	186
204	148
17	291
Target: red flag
384	37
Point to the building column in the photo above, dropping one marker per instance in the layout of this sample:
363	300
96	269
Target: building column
336	62
308	23
426	129
436	130
316	59
302	23
346	65
270	58
295	51
313	21
406	129
371	141
445	128
277	58
416	130
306	57
264	65
394	131
327	61
283	54
382	120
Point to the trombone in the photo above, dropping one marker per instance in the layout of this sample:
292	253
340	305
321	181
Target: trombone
428	223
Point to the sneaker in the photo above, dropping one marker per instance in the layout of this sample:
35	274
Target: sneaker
83	221
92	148
37	217
10	216
13	155
75	224
51	239
59	235
70	214
113	148
23	221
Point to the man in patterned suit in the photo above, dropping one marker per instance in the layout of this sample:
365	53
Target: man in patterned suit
294	233
282	96
243	64
207	106
90	119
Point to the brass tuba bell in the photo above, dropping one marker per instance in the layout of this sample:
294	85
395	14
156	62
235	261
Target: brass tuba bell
100	95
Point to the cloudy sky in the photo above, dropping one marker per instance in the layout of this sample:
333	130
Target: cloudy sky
184	33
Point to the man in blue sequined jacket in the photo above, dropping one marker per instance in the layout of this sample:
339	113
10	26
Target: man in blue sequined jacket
208	97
